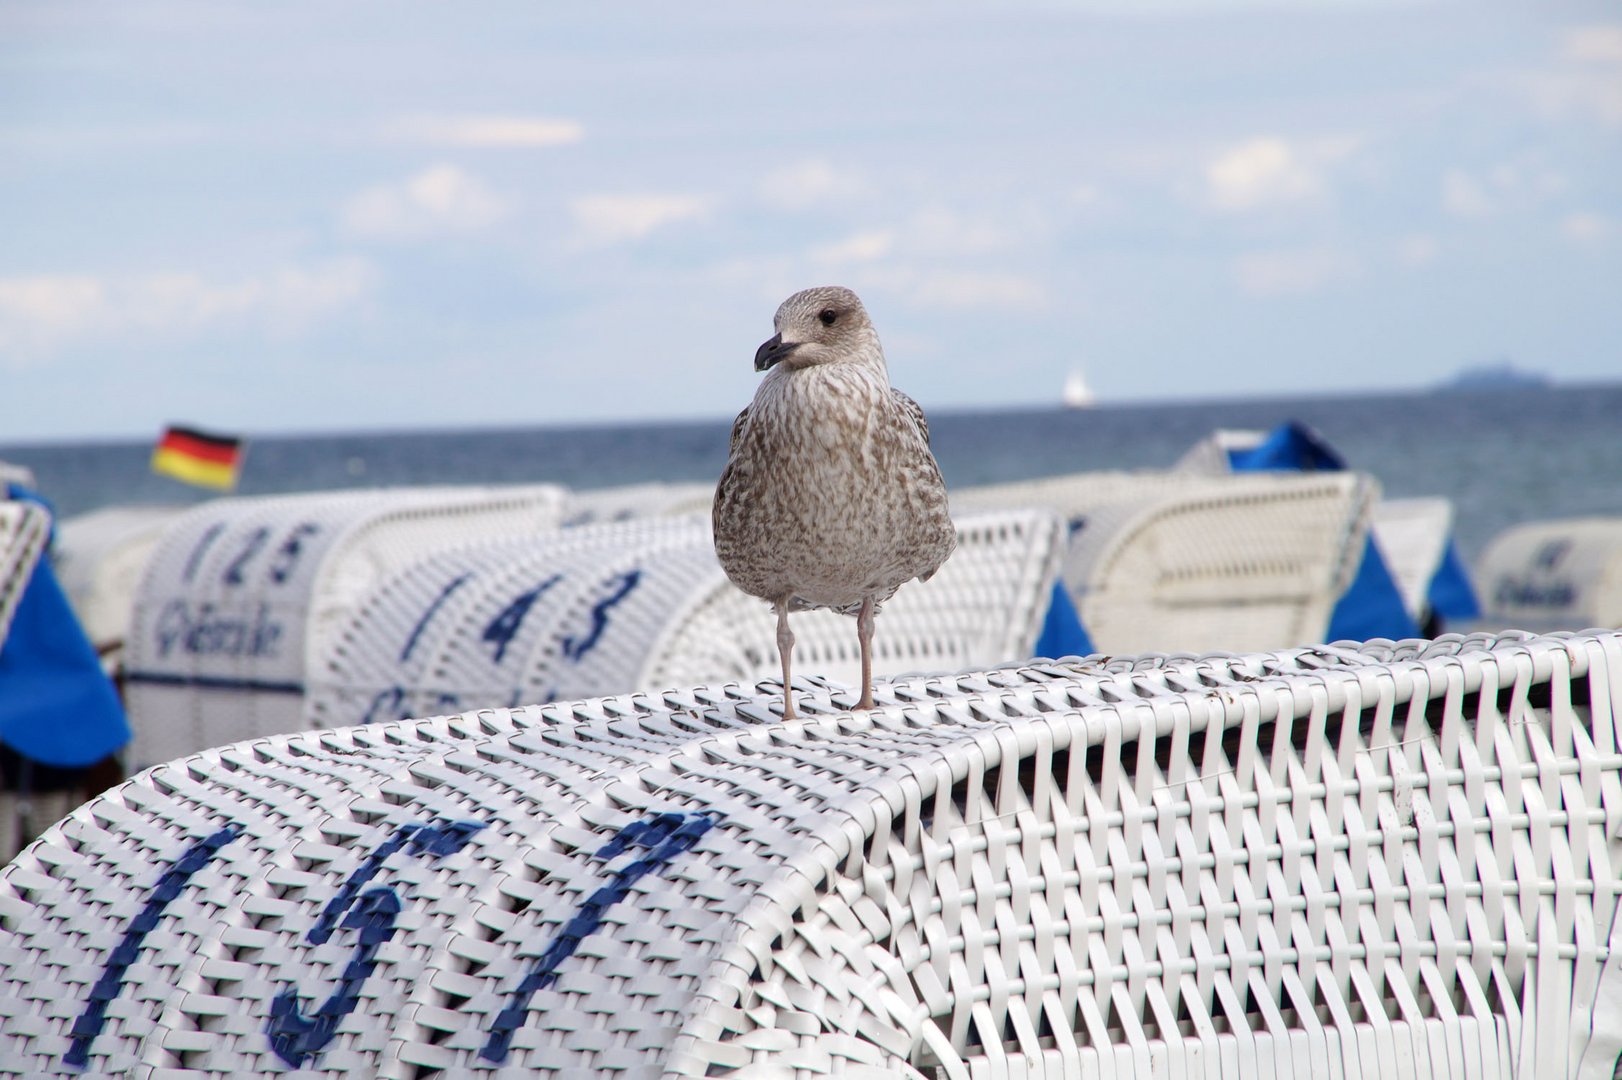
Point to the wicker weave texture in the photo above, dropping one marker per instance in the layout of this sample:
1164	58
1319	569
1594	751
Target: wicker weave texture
25	529
632	501
1178	561
562	614
1395	860
983	607
240	593
605	608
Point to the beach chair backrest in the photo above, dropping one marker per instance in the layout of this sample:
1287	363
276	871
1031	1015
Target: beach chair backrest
1554	575
566	613
1397	860
242	593
1183	562
25	531
609	608
984	606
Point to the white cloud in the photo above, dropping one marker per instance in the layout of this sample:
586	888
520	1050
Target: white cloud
36	312
42	313
1504	187
1417	250
1588	229
937	231
1086	195
615	219
809	183
1464	195
1291	271
1262	172
1586	81
978	289
956	289
488	131
442	199
856	248
1599	44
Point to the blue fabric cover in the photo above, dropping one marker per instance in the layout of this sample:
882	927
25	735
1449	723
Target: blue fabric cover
1062	632
1371	606
1292	447
56	704
1451	595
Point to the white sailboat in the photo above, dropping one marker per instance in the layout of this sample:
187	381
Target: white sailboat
1077	394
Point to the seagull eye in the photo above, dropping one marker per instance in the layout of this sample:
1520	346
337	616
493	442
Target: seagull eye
828	316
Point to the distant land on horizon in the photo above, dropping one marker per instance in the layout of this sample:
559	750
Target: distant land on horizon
1494	376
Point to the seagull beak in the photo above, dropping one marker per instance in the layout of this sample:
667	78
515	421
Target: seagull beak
773	350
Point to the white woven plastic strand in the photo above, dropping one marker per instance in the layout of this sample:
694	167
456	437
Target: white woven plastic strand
605	608
25	529
1163	561
240	594
1398	859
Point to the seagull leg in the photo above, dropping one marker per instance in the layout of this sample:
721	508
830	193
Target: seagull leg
864	632
785	652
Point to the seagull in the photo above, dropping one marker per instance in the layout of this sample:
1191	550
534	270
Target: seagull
830	497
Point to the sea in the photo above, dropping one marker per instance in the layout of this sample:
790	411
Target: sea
1502	456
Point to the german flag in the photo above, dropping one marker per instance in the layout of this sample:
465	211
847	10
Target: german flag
198	458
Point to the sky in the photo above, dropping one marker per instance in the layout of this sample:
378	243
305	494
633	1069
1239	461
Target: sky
309	216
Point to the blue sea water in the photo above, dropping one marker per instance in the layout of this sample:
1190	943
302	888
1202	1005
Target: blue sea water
1502	457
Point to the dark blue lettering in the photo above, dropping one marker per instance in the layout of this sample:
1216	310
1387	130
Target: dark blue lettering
1522	592
107	988
386	702
297	1038
204	542
256	540
433	609
622	587
504	627
287	555
209	632
665	836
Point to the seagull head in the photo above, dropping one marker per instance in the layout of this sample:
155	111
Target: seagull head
824	325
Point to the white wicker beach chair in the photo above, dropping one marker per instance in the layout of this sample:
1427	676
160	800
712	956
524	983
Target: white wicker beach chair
1172	561
1399	860
1554	575
985	606
636	501
241	595
1412	560
100	558
25	530
564	613
603	609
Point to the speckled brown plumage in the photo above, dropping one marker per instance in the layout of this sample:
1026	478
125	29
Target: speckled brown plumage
830	496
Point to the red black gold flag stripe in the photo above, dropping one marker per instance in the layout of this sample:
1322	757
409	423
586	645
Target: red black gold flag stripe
198	458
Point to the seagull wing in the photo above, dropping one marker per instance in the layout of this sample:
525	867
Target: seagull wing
737	431
909	408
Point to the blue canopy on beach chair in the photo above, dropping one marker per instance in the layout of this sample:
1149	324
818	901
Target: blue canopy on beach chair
1372	606
1062	631
57	706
